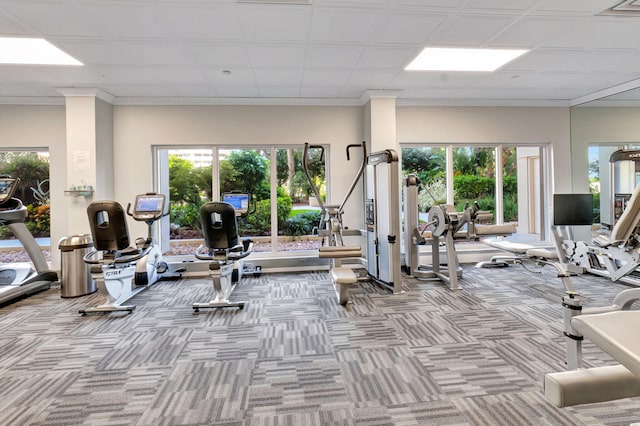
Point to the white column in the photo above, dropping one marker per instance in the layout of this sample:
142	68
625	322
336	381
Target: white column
89	161
380	120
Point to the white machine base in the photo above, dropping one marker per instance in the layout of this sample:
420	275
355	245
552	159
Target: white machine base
116	285
222	276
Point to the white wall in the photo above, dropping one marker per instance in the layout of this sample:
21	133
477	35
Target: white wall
26	126
138	128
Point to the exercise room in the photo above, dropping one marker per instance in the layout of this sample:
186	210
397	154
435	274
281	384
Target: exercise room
319	212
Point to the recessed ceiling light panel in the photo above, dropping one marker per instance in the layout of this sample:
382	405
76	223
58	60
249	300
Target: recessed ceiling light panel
462	59
32	51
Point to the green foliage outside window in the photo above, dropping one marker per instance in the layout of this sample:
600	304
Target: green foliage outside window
244	170
33	190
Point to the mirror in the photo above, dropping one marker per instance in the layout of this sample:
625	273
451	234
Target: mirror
598	129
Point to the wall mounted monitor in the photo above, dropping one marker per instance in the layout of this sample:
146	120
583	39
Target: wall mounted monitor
572	209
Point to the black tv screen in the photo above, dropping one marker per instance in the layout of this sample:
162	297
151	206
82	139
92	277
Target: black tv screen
572	209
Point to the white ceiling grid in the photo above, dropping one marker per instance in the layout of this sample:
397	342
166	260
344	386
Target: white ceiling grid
333	51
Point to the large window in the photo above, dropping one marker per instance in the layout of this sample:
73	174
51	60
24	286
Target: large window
285	214
32	168
503	180
474	179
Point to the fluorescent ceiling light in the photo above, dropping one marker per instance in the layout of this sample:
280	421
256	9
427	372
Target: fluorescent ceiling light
32	51
459	59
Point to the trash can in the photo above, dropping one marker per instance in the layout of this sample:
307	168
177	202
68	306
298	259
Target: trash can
75	277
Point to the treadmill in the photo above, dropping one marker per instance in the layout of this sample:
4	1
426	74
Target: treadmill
21	279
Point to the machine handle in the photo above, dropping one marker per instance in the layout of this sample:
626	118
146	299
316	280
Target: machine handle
355	145
305	168
357	177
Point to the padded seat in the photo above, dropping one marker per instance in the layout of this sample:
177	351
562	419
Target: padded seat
517	248
543	253
616	333
344	276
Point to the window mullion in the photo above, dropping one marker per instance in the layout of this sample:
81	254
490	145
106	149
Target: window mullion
499	189
273	195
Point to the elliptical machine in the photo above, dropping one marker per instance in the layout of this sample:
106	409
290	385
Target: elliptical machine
21	279
223	247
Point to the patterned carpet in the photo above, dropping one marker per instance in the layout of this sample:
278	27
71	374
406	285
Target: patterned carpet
295	357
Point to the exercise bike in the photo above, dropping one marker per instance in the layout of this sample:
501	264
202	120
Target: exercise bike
223	248
119	270
149	208
21	279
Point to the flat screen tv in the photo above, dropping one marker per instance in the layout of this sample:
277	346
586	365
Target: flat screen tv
572	209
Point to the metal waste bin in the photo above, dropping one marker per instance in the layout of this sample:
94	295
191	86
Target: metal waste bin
75	276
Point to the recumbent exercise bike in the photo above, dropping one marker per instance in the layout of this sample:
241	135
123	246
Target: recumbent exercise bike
223	247
119	270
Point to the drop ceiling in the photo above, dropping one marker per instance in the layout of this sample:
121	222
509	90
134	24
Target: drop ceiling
334	52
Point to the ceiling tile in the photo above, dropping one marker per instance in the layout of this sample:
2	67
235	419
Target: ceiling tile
277	77
320	92
152	91
279	91
533	31
203	21
589	7
238	76
444	4
407	28
341	25
333	48
387	57
173	76
243	91
10	26
349	3
54	18
193	91
269	55
223	55
325	77
158	53
501	5
274	22
127	75
372	78
324	56
128	19
472	30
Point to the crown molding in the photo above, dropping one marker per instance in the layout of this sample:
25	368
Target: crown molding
86	91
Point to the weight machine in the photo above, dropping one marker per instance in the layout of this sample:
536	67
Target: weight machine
443	223
624	166
332	230
382	219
